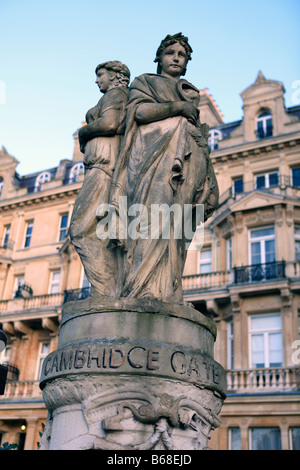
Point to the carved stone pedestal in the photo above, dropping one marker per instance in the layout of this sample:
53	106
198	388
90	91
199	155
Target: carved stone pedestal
132	374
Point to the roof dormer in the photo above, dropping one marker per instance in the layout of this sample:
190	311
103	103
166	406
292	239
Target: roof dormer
264	109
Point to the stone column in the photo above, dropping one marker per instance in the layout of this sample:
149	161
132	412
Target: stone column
132	374
31	441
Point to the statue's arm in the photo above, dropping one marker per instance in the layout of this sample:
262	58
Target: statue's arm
106	125
150	112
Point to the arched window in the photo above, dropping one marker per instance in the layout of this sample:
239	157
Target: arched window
213	140
40	179
76	170
1	185
264	125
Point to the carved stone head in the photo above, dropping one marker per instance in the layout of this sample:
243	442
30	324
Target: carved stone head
168	41
118	73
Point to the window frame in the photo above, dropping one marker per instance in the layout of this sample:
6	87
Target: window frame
43	177
291	437
41	357
230	429
6	235
230	345
61	228
200	263
267	179
28	225
261	240
214	136
53	282
293	178
263	117
297	240
75	171
266	428
233	186
266	332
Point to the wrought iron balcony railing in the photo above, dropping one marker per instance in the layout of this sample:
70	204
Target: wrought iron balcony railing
259	272
76	294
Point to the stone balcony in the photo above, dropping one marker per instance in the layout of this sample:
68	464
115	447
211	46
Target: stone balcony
243	381
263	380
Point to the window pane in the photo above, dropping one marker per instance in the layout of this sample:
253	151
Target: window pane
255	253
275	350
205	255
260	129
295	434
296	176
63	227
266	322
270	251
297	249
238	186
260	181
266	439
205	265
269	125
263	232
258	351
205	268
273	179
235	439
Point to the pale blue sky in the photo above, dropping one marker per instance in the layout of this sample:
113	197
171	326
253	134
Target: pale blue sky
49	51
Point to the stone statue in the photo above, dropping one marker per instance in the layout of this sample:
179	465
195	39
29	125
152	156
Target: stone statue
164	160
100	141
134	365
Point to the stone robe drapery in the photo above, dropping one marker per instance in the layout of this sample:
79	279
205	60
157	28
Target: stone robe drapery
100	263
163	162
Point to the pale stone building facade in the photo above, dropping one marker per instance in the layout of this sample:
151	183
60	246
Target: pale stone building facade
246	275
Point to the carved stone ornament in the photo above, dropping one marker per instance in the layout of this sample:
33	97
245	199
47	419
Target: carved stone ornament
118	417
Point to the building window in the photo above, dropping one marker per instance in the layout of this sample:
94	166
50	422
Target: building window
1	185
205	261
54	282
228	254
28	233
19	282
264	125
76	170
230	346
40	179
265	439
297	243
213	139
237	186
295	438
63	229
6	236
296	177
262	246
265	341
43	352
234	439
267	180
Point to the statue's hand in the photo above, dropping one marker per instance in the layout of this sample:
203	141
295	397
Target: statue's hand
189	111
